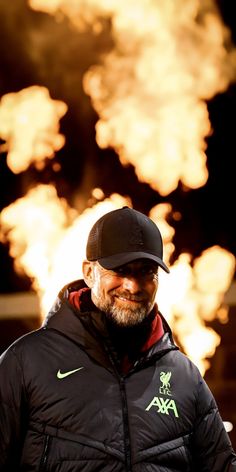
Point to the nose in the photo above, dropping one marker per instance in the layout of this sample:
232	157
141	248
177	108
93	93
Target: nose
131	284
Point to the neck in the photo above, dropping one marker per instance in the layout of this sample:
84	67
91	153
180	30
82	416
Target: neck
130	340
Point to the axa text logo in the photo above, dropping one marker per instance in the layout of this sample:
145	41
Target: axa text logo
163	406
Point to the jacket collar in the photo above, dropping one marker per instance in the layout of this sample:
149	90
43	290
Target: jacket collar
88	327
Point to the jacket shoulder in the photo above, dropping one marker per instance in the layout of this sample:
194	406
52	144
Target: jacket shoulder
23	344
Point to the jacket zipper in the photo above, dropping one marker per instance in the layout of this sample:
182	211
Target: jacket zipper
126	425
121	380
44	457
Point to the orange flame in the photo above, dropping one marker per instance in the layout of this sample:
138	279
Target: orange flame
150	91
47	239
29	125
189	299
192	294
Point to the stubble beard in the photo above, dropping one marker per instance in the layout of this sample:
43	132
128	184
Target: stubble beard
122	316
125	316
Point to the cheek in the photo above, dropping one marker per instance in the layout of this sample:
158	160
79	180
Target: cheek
96	288
152	290
101	285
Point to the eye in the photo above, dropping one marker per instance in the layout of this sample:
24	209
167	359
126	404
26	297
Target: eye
147	271
122	271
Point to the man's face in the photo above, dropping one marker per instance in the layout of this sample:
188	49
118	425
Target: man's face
126	294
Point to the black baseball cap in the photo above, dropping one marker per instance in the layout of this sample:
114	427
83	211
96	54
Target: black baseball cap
122	236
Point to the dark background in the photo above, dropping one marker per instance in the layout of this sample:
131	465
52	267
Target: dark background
34	49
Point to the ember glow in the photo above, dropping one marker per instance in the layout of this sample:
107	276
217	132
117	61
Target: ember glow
29	125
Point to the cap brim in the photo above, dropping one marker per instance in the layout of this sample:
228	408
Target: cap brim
117	260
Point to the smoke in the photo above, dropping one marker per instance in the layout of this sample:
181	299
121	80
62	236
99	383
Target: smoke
47	50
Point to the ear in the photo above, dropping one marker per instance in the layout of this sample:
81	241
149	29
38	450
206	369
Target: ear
87	268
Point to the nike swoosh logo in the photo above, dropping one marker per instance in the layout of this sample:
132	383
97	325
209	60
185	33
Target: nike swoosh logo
62	375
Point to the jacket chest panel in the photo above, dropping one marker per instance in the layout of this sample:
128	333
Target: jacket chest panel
72	392
76	394
161	405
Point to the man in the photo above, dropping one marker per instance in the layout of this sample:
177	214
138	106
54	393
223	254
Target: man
102	386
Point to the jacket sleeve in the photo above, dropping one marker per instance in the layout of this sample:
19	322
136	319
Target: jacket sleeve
212	448
12	411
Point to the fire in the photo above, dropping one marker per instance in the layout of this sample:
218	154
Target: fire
50	7
150	95
192	295
29	125
47	240
159	214
150	90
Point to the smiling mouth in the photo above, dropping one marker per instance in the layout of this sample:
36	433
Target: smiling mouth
129	300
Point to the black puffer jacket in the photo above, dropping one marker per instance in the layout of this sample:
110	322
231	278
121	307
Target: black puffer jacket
66	408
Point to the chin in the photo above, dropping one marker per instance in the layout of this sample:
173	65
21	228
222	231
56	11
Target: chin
125	318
